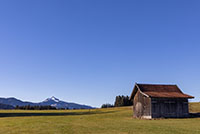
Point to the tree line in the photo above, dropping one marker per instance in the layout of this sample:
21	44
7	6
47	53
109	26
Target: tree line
120	101
28	107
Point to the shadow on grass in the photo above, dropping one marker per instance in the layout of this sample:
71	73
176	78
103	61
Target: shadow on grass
194	115
190	115
24	114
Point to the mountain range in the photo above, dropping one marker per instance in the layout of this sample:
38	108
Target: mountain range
10	103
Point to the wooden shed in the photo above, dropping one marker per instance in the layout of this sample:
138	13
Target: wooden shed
159	101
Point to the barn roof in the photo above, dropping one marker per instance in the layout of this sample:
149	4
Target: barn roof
159	91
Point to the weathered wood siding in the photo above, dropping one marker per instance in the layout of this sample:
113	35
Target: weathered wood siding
141	106
169	107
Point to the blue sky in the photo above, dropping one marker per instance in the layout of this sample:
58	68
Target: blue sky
93	50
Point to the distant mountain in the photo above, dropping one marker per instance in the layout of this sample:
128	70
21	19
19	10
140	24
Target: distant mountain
14	102
5	106
53	101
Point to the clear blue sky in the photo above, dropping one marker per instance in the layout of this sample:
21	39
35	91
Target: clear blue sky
89	51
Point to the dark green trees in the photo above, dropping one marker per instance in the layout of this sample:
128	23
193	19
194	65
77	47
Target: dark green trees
107	105
122	101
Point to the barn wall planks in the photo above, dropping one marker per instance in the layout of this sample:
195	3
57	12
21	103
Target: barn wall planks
169	107
142	106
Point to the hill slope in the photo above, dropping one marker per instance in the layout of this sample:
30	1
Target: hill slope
95	121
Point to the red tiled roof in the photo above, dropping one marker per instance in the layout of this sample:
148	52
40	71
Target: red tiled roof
160	91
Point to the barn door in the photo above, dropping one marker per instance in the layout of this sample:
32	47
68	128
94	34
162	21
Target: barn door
156	111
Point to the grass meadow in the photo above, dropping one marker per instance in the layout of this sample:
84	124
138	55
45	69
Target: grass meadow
96	121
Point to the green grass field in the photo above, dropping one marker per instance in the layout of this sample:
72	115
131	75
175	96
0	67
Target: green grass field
97	121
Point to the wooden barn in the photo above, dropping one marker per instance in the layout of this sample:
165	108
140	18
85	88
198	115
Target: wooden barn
159	101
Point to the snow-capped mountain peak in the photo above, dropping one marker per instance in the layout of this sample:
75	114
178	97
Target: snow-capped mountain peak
55	99
52	99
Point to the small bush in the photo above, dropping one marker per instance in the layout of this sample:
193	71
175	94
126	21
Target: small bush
107	105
